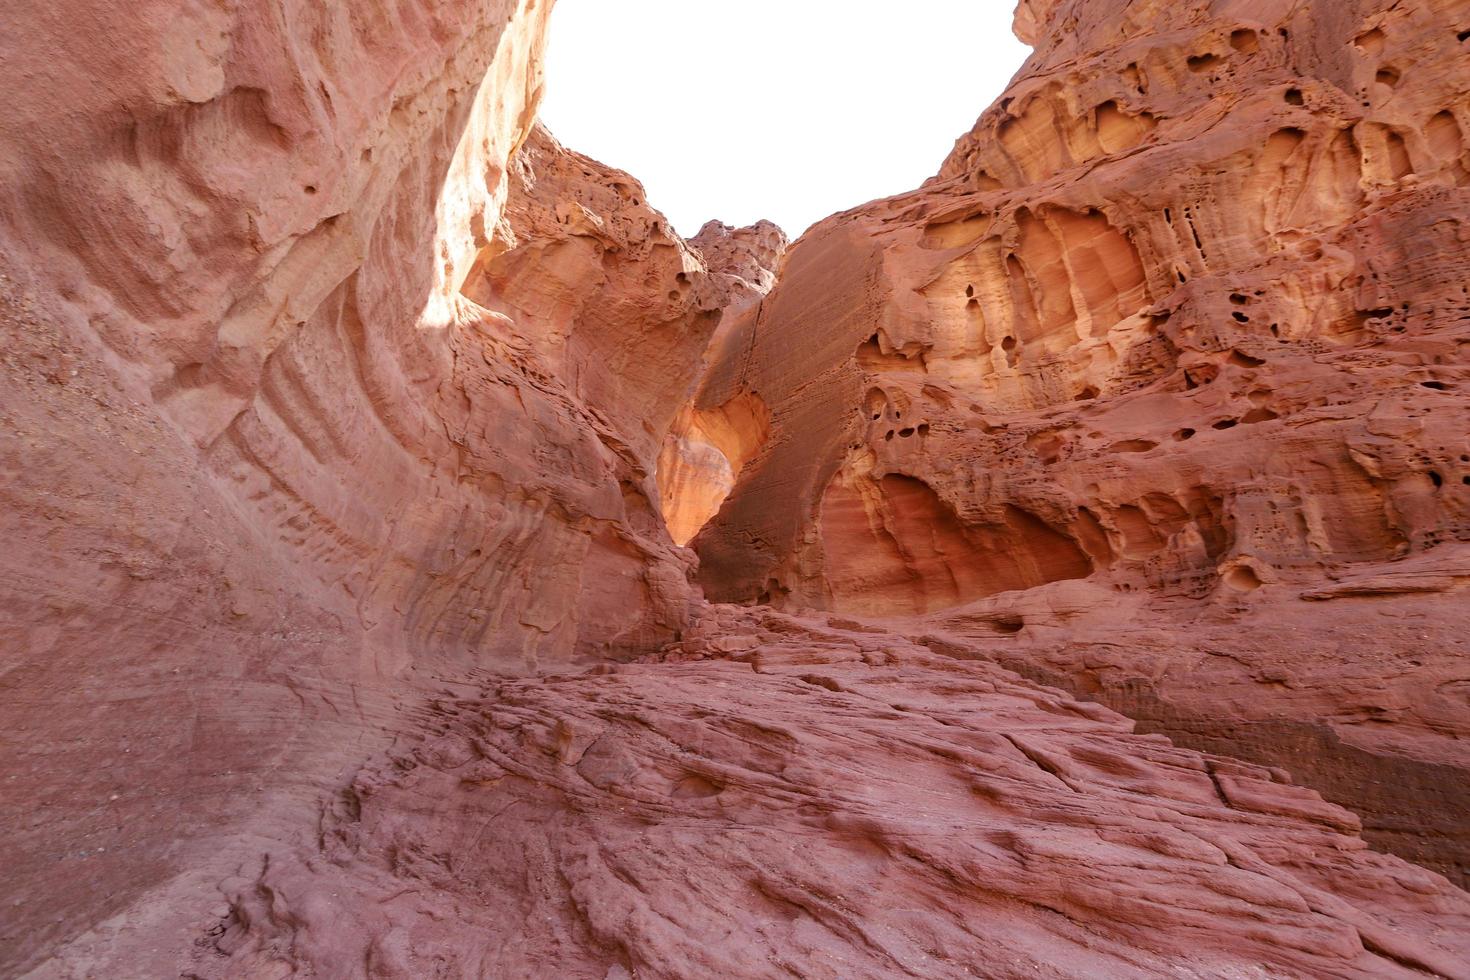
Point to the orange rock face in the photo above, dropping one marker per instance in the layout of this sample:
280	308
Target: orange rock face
352	427
1155	389
724	425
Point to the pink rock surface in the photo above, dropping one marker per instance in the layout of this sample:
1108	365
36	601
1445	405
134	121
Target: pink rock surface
830	802
1181	319
270	471
348	424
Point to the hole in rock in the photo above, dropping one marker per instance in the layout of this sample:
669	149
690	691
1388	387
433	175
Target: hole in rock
1243	578
1225	424
1013	355
1436	479
1245	360
1134	446
1371	42
895	547
1245	41
1184	434
1294	96
877	356
703	456
1008	625
1200	375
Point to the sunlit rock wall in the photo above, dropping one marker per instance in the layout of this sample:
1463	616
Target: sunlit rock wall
1178	337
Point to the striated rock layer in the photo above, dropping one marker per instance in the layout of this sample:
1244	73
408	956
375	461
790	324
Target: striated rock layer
327	379
776	797
348	420
1157	392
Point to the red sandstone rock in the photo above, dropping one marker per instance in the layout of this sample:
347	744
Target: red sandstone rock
342	407
270	469
724	425
1156	392
838	802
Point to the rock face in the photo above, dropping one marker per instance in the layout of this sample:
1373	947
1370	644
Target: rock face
725	424
348	419
1156	392
290	430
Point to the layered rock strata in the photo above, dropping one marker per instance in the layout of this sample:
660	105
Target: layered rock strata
775	797
327	380
347	417
1156	391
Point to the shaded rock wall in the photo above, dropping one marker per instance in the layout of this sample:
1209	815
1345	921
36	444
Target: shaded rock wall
1191	298
724	426
313	399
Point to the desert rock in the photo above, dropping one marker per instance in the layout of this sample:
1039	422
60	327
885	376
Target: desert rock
1156	392
351	428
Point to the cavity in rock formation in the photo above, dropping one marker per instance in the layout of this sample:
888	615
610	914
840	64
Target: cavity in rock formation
1077	544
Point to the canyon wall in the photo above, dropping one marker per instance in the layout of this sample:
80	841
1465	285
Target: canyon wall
351	426
1157	391
328	379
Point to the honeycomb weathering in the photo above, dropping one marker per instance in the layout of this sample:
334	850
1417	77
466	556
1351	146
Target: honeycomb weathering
1191	296
1090	524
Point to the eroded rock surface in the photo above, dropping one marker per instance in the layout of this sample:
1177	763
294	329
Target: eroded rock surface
317	394
775	797
1184	319
348	419
725	425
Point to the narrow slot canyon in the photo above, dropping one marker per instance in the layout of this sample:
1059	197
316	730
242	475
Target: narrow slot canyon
703	456
424	561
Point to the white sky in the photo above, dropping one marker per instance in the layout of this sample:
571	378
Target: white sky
783	109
